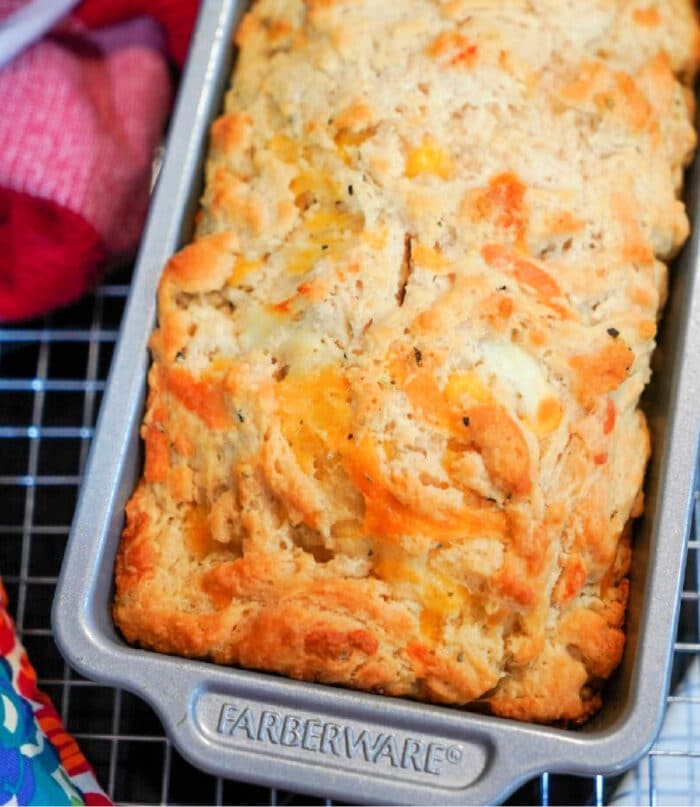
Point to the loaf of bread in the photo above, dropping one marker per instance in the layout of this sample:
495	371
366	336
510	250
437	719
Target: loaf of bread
392	437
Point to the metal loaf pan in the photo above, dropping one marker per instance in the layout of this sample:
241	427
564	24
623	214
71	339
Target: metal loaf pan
334	742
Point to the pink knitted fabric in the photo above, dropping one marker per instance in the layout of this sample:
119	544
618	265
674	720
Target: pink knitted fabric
8	6
81	114
86	113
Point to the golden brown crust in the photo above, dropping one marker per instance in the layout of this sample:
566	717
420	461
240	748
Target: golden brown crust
392	435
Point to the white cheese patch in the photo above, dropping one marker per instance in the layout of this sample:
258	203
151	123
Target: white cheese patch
515	366
306	351
258	326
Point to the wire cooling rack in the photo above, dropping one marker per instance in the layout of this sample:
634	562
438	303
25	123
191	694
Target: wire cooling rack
52	376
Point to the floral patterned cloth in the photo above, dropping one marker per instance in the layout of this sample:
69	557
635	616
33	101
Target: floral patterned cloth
40	763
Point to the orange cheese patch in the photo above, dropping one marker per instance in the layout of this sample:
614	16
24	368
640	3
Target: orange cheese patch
502	446
453	49
323	234
465	386
428	158
219	583
204	265
242	269
284	148
549	415
440	598
610	417
612	92
205	399
486	427
198	536
314	291
315	411
527	273
636	247
230	132
430	258
391	564
571	581
347	139
602	371
157	453
647	17
421	387
387	517
316	183
300	260
503	202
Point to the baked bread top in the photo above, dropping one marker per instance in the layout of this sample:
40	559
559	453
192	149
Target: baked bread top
392	436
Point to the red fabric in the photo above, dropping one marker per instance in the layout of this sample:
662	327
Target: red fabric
82	113
48	255
177	17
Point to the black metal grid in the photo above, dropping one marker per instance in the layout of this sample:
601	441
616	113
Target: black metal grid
52	376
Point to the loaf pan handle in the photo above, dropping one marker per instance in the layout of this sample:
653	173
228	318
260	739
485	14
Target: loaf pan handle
310	742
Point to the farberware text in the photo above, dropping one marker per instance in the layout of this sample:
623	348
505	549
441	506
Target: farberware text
329	738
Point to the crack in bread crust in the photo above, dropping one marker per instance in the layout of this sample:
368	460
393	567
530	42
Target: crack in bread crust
392	436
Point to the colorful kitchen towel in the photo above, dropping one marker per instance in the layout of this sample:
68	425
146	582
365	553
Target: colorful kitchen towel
81	114
39	762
